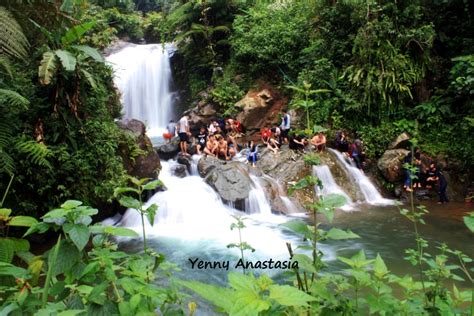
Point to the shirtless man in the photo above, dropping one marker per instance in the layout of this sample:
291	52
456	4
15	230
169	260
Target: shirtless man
211	146
222	147
319	141
231	146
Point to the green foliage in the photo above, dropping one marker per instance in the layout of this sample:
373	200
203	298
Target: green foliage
241	245
226	93
83	273
139	186
248	295
12	40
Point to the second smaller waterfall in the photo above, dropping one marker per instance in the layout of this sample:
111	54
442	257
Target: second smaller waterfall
330	186
257	201
371	195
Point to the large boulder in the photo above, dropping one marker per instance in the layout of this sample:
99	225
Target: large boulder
145	165
203	113
168	150
402	141
254	107
391	164
229	179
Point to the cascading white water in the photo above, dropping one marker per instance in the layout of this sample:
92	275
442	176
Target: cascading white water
192	216
330	186
290	206
371	195
143	76
257	202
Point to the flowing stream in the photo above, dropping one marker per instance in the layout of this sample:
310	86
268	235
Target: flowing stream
192	221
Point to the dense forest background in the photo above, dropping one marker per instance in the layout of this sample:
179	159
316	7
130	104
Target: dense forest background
386	67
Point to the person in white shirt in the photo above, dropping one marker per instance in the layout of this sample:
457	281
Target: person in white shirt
285	126
184	133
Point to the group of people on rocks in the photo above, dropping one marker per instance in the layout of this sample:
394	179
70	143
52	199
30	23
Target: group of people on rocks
417	175
217	139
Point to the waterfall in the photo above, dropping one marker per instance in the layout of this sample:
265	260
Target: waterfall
330	186
143	76
371	195
257	202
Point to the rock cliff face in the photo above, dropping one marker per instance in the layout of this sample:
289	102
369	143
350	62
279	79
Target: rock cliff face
145	165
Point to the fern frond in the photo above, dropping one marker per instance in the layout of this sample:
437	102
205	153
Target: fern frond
47	68
6	133
89	78
37	153
12	39
7	165
14	99
5	63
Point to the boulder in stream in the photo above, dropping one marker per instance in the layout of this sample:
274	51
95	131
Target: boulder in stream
391	164
169	150
145	165
230	179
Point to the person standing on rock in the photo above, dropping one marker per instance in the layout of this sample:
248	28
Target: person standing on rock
170	131
184	133
285	126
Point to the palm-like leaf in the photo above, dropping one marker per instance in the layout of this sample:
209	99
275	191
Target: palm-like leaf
47	68
90	52
13	98
67	59
12	40
6	161
89	78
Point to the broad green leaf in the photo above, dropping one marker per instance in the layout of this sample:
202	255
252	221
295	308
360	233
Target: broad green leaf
305	263
130	202
10	270
242	282
289	296
76	32
469	221
79	235
220	296
119	191
6	250
56	213
125	309
19	244
25	221
90	78
151	212
135	301
339	234
380	269
332	200
90	52
71	312
67	59
71	204
249	304
153	185
37	228
67	6
97	294
5	213
299	227
120	231
47	68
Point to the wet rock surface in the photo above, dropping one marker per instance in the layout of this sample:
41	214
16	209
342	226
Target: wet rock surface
146	165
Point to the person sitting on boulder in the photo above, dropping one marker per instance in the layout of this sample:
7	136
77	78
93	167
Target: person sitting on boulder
430	176
341	142
201	140
356	153
273	145
232	146
252	155
319	141
221	147
211	146
265	134
298	142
